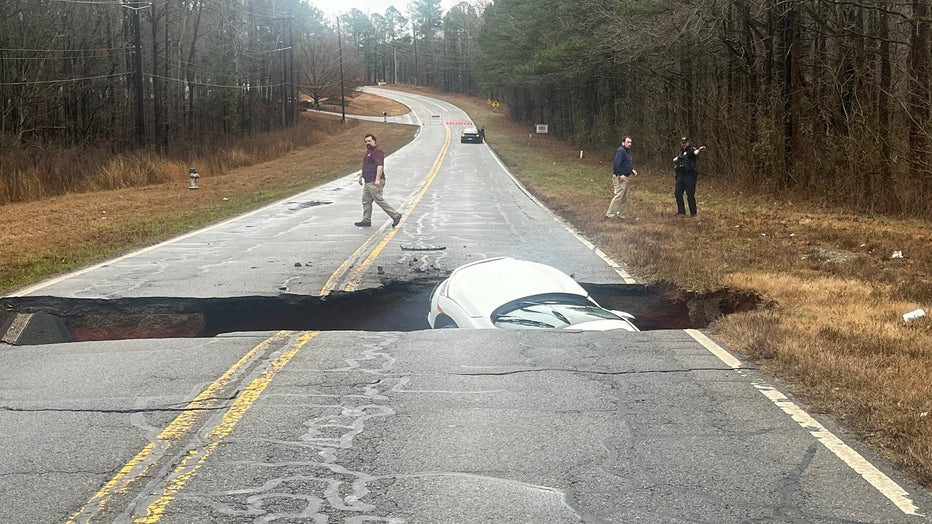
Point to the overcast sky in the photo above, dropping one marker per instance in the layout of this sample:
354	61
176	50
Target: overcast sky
332	8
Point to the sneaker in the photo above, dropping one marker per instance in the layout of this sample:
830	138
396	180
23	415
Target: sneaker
396	220
363	223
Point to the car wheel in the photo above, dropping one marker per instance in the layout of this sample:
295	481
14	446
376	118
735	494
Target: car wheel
445	323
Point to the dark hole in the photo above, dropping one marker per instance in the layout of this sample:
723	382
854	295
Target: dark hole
664	306
393	307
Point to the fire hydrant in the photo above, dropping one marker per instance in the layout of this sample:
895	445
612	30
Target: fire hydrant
194	176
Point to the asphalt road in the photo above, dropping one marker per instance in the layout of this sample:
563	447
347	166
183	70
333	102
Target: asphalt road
460	206
432	427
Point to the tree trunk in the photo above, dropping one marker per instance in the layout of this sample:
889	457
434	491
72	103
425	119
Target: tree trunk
918	62
137	79
788	51
158	113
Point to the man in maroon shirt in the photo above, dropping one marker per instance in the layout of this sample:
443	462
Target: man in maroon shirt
372	180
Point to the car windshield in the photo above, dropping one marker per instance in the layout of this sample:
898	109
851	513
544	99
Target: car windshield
548	312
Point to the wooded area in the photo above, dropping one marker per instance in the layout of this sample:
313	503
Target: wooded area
828	98
823	97
146	74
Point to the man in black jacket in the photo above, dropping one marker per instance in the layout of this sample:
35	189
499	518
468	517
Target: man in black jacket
686	175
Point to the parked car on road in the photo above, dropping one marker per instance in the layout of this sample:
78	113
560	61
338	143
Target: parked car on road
509	293
471	134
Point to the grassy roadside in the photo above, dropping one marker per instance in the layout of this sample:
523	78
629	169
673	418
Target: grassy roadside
835	334
45	237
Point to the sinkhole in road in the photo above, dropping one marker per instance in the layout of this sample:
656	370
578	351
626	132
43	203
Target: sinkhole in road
33	320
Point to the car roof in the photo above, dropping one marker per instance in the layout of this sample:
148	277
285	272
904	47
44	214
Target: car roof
470	130
482	286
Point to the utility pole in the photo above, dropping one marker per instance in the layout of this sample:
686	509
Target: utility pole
289	104
158	112
284	87
293	96
414	34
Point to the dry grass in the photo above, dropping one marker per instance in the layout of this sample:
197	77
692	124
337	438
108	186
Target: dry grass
835	334
33	173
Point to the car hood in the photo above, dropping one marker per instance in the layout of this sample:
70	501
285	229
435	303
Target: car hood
481	287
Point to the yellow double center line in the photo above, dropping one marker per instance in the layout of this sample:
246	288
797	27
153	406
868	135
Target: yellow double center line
192	415
210	398
196	457
366	252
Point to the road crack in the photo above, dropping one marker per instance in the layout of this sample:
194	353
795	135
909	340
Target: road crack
180	409
595	372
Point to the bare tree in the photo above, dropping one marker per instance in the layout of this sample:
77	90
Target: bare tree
319	62
918	75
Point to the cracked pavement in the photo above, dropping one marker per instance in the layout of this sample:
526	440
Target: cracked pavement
433	427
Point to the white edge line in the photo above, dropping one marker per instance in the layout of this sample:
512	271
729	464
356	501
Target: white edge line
876	478
714	348
625	276
88	269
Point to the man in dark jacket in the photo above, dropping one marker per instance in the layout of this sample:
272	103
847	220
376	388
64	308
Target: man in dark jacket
686	175
622	171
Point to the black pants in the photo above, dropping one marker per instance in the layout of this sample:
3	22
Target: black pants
687	184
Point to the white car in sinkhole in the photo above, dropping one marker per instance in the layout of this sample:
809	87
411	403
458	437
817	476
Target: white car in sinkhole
509	293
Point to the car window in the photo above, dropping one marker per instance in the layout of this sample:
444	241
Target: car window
549	311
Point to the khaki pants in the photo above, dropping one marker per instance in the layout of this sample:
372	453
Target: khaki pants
373	193
619	202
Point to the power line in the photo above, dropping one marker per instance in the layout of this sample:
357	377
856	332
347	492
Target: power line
218	86
147	4
61	81
36	50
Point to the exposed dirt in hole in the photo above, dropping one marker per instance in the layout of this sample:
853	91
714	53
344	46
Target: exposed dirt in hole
394	307
664	306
